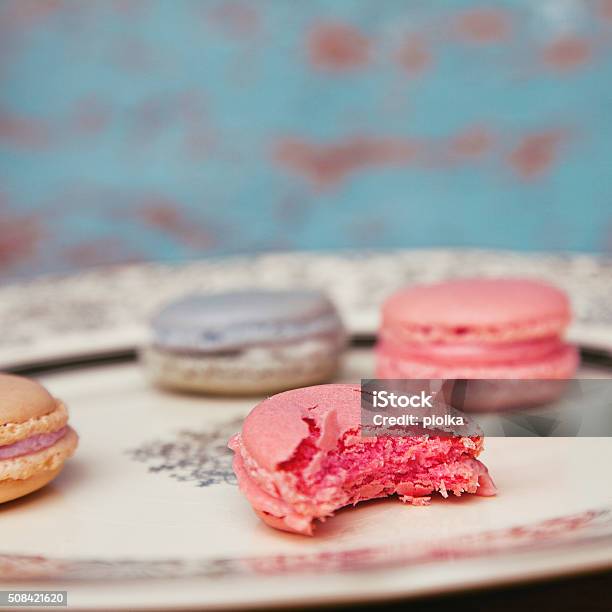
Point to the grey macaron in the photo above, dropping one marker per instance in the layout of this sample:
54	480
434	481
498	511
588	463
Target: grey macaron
245	342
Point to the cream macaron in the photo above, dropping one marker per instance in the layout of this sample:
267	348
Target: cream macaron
35	439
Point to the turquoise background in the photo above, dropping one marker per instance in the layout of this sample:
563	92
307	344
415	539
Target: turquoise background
137	130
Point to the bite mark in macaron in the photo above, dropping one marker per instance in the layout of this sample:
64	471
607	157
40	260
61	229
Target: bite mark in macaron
300	457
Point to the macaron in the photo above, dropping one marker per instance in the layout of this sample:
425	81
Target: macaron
35	438
300	457
245	342
484	328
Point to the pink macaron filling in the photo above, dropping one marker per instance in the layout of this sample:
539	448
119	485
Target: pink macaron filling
561	364
30	445
480	353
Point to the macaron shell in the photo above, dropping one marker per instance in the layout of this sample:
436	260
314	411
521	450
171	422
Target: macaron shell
22	399
227	309
500	309
13	489
230	321
272	510
282	523
13	432
335	408
256	372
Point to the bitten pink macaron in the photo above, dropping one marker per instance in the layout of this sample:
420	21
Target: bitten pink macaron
483	328
300	457
35	438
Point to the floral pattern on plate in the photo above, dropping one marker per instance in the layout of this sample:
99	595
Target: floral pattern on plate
107	309
574	530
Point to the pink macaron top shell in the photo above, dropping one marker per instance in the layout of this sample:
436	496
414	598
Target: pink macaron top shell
490	310
284	414
561	364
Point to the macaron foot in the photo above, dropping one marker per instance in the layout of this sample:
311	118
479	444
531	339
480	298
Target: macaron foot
12	489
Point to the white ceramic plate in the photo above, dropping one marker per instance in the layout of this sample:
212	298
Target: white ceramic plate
147	514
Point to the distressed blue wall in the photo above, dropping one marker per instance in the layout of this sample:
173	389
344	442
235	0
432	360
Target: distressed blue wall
162	129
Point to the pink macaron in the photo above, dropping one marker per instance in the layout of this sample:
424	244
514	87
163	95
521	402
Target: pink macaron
499	328
300	457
